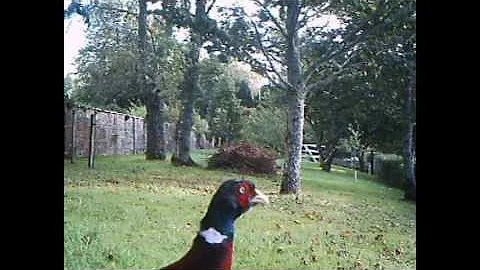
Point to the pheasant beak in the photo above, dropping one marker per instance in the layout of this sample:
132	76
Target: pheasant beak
259	198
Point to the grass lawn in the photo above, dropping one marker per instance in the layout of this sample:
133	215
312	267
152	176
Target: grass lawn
137	214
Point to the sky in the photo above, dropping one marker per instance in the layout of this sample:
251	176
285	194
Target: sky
73	39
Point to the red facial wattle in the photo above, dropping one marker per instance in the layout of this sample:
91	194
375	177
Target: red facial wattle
249	196
245	194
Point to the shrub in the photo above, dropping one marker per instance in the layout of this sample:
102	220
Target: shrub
266	127
390	171
247	158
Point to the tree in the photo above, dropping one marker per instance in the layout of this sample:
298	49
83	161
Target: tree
226	111
199	25
277	37
329	116
409	152
355	108
391	56
225	95
372	84
265	127
155	103
122	69
286	31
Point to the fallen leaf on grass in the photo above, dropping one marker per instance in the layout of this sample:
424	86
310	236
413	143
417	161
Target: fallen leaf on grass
313	215
377	227
358	264
110	257
342	253
379	237
315	241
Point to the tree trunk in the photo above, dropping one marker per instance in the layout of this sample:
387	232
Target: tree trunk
141	40
291	182
326	164
361	161
202	141
153	150
292	179
190	88
371	159
328	153
184	131
65	121
411	189
156	139
169	6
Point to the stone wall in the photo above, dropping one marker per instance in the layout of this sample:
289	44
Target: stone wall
115	133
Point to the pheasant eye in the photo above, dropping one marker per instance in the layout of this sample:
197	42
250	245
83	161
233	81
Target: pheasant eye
241	190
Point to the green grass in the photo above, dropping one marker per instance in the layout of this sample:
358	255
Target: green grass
132	213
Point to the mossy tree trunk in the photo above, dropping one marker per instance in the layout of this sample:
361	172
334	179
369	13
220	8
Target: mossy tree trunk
190	89
156	135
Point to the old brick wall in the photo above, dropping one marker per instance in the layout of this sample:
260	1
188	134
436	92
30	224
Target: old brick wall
115	133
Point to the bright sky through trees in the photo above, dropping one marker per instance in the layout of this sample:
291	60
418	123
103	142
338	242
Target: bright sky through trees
74	29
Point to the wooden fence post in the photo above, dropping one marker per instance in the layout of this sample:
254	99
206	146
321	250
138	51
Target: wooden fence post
145	127
91	149
134	146
72	143
372	159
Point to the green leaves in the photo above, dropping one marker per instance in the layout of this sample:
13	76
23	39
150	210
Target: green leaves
108	67
370	89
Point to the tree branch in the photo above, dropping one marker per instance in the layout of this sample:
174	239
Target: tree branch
277	24
323	82
328	58
281	86
152	39
264	52
303	21
210	7
106	7
265	71
331	78
359	39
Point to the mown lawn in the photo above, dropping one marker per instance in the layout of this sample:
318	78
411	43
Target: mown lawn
137	214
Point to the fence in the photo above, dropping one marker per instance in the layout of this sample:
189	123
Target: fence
311	152
114	134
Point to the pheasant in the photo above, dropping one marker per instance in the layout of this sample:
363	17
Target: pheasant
212	247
